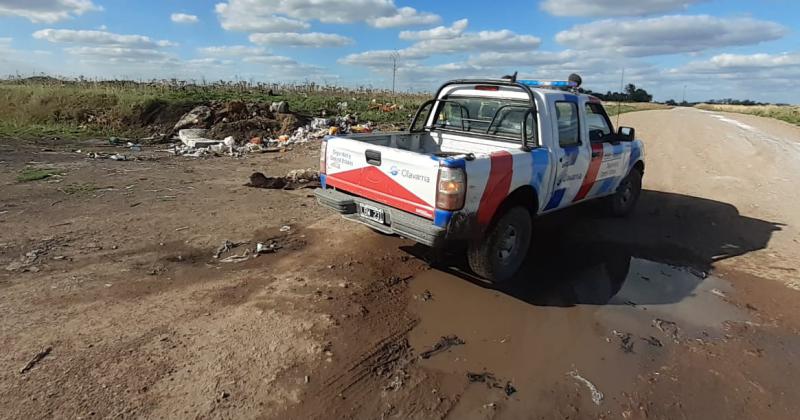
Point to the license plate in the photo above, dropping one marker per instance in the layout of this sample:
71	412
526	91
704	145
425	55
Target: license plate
372	213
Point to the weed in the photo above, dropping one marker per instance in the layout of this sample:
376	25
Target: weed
36	174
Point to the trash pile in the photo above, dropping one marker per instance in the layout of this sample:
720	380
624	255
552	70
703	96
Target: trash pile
296	179
235	128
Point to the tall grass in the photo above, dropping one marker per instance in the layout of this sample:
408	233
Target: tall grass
788	113
93	107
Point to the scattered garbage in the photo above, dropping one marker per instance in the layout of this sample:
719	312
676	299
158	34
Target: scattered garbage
237	258
225	247
36	359
198	116
492	382
297	179
669	328
286	228
625	341
281	107
442	345
597	396
268	248
653	341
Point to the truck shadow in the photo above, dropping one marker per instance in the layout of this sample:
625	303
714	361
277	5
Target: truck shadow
659	255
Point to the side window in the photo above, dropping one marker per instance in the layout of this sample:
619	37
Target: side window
568	127
596	119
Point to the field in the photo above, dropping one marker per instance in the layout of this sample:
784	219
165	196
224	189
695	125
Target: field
615	108
48	107
790	114
80	109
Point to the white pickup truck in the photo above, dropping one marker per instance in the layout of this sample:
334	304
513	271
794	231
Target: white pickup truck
479	162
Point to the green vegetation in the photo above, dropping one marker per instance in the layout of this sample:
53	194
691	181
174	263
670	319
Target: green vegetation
44	106
788	113
614	108
74	109
36	174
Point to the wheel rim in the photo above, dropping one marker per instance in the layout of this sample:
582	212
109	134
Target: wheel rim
508	243
627	194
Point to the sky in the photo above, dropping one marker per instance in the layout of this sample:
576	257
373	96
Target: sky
708	49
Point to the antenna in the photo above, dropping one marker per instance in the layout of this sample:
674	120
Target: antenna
621	88
395	55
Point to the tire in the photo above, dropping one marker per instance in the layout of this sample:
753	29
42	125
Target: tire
503	249
624	200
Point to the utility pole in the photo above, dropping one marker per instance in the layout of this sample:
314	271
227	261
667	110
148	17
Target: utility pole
395	56
684	95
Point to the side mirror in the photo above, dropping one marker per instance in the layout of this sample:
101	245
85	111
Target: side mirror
596	135
627	133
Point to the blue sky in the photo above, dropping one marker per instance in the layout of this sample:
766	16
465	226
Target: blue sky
715	48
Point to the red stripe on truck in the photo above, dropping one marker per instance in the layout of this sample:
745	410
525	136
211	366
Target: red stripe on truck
497	185
591	173
385	190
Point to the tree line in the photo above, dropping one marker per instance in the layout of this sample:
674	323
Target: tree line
631	94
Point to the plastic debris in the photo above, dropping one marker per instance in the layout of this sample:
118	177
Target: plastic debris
302	178
492	382
193	138
281	107
198	116
269	248
36	359
597	396
444	344
669	328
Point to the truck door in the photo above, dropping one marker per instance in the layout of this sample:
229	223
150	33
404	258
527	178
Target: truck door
573	156
613	153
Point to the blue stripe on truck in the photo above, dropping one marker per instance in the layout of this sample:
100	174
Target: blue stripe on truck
442	217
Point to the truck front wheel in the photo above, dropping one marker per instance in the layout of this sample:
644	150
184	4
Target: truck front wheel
500	253
624	200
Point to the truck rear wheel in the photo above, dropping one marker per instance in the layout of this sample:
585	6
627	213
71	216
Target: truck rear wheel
624	200
499	255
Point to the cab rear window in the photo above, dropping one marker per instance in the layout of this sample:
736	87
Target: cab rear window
490	116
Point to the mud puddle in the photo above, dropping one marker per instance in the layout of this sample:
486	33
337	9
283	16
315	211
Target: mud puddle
564	339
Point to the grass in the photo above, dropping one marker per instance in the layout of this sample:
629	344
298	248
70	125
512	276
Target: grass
615	108
76	109
36	174
42	106
788	113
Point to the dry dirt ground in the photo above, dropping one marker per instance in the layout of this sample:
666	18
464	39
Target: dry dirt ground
685	310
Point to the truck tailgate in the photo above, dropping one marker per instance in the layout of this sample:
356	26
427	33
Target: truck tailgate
398	178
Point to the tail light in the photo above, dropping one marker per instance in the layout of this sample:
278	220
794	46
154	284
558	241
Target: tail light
323	151
451	189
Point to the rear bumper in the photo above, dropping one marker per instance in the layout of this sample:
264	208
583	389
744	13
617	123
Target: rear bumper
398	222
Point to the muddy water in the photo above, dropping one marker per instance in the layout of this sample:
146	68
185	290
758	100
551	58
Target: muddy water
565	327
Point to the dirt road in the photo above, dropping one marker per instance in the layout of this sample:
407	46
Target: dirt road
112	303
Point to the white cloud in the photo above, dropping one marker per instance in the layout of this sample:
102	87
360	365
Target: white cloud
46	11
609	8
238	17
99	38
439	32
184	18
119	54
232	51
446	41
294	39
406	16
744	65
249	15
523	58
669	34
